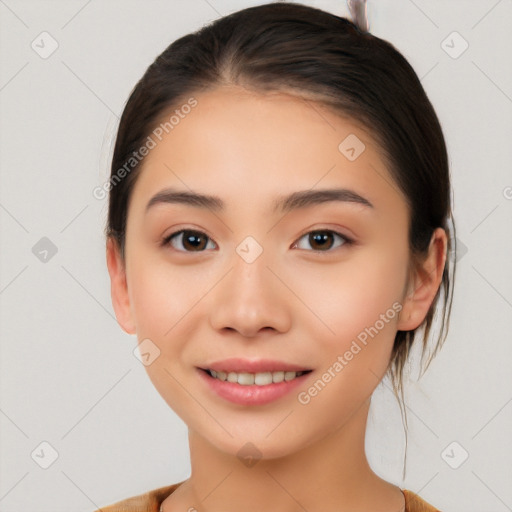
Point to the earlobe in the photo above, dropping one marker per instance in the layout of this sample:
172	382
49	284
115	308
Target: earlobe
119	287
424	284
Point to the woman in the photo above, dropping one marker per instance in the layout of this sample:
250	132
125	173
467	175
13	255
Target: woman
278	231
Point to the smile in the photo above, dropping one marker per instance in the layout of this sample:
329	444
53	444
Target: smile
258	379
251	389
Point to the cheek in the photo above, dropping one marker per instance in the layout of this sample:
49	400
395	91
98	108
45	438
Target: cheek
352	299
154	304
166	304
160	295
361	307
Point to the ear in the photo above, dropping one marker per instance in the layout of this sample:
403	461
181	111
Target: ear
119	287
424	283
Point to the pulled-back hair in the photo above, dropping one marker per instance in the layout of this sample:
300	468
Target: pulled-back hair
293	48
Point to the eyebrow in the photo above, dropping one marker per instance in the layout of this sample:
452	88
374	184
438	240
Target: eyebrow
296	200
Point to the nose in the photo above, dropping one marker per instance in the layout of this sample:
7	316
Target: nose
250	299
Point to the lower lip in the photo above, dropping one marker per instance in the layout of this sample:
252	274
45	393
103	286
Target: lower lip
251	395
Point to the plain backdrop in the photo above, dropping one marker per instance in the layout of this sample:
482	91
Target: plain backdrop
74	397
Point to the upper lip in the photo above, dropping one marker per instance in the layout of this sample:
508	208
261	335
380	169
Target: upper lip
238	365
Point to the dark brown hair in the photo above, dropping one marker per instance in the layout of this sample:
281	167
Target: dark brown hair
293	48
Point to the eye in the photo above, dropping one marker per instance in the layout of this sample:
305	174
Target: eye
191	240
322	240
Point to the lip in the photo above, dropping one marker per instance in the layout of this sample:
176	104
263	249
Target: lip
239	365
254	394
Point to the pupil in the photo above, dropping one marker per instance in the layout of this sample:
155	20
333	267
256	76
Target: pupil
194	240
319	238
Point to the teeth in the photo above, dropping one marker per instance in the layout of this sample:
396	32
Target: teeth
260	379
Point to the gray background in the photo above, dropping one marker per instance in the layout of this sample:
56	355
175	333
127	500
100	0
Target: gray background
68	375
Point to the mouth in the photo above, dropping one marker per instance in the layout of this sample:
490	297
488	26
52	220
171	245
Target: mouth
255	379
251	382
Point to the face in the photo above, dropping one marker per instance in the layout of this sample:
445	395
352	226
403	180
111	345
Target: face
313	284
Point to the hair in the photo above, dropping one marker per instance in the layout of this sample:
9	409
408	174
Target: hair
321	57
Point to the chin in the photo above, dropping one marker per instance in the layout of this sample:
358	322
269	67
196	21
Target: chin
255	445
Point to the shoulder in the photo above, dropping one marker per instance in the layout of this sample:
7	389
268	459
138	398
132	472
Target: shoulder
148	502
413	503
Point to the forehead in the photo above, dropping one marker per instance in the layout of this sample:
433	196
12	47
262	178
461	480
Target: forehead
244	145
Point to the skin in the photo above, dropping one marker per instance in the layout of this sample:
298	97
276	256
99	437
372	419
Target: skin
293	303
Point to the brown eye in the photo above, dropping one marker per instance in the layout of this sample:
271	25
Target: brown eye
190	240
323	240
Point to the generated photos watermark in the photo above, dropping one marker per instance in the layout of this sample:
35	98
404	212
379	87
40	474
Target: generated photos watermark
100	192
305	397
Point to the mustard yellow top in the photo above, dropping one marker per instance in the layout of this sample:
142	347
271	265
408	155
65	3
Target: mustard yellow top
151	501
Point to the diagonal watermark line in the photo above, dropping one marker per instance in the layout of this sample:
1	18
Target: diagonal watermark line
73	427
280	423
390	183
424	14
217	486
319	180
13	279
88	497
498	2
381	380
197	302
213	213
80	80
492	211
199	403
487	281
492	81
426	426
503	407
14	218
90	294
14	76
3	3
429	71
14	423
207	2
300	300
421	489
490	490
286	491
14	485
311	105
76	14
75	217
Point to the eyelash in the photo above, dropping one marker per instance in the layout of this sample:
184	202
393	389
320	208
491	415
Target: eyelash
346	241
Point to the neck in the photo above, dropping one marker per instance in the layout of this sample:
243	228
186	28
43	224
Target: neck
329	474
